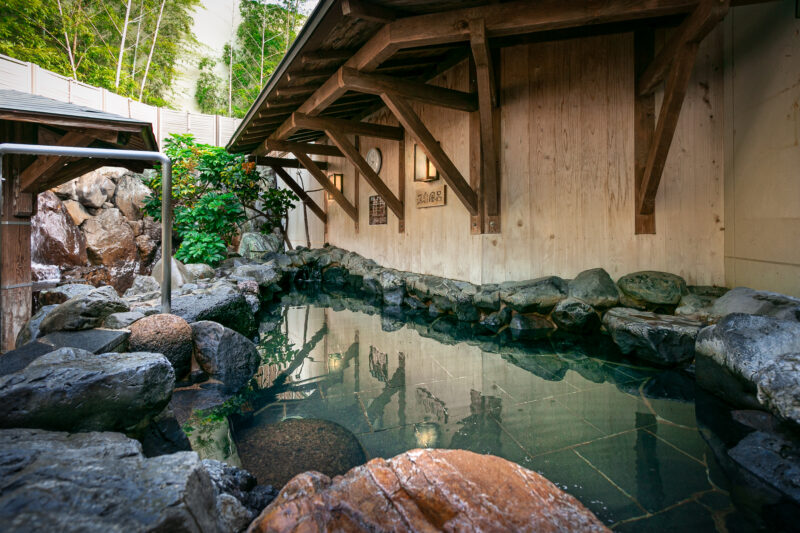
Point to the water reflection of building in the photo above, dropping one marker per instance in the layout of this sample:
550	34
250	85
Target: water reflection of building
378	364
432	405
480	431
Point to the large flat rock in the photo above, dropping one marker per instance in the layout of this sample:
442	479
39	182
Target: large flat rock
74	390
100	482
426	490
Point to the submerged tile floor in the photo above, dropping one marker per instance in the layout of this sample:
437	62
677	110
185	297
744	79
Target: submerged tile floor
621	438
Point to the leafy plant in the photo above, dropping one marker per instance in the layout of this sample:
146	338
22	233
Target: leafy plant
213	194
201	248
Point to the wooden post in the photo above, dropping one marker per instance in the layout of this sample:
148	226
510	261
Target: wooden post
356	180
644	111
15	241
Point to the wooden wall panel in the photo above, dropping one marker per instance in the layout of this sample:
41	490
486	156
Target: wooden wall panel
567	164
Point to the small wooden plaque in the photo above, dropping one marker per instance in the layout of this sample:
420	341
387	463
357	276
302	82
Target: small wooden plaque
377	211
432	196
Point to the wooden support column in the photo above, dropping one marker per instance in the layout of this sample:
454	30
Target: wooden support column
412	123
675	60
303	195
489	124
356	180
644	111
401	182
354	156
15	240
326	184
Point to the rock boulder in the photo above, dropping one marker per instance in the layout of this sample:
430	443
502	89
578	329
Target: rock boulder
229	308
165	334
595	287
110	242
100	482
180	275
575	316
75	390
94	189
651	290
665	340
84	311
130	196
55	239
254	245
539	295
224	354
752	302
427	490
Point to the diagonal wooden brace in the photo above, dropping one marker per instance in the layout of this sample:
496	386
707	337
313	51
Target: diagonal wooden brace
327	185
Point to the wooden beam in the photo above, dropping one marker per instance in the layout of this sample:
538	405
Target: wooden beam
694	29
306	76
365	129
644	122
338	138
77	167
489	124
303	195
674	92
412	123
325	55
306	148
500	19
326	184
378	84
284	162
44	164
288	92
367	11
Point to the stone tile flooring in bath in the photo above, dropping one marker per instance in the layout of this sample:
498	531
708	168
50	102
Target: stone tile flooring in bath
621	438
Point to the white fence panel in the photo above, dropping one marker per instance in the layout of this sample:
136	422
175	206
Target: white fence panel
116	104
227	126
52	85
203	127
146	112
173	122
85	95
15	75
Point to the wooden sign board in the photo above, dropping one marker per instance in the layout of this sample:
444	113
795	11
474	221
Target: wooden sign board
377	211
432	196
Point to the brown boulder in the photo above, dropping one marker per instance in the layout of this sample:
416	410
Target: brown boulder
94	189
55	239
110	242
427	490
130	196
169	335
147	249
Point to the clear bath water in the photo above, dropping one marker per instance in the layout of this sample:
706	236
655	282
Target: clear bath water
620	437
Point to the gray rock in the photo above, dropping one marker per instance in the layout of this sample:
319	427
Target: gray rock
596	288
488	297
539	295
122	320
778	386
30	330
263	274
84	311
695	306
651	290
743	353
254	245
752	302
94	189
529	327
200	270
96	341
75	390
229	309
62	293
143	285
224	354
393	287
163	435
334	276
576	316
100	482
179	273
665	340
237	494
773	458
130	196
494	322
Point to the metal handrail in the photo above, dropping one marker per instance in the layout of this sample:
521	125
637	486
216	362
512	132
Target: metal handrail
110	153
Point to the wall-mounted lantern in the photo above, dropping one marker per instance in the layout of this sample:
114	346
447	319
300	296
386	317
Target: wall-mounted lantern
423	167
338	182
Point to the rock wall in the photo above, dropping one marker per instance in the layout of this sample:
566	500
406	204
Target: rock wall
92	228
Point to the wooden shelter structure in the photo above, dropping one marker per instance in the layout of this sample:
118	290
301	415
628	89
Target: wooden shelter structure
36	120
550	122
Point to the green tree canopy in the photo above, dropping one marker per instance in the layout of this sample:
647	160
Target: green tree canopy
83	39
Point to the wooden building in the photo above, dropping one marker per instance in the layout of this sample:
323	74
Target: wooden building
565	135
32	119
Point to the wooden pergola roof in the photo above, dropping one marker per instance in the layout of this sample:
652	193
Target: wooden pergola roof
353	57
64	124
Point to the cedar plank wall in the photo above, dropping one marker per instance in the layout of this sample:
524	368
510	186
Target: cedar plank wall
567	175
762	140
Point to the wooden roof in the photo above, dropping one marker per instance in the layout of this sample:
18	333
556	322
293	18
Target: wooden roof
414	40
63	124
